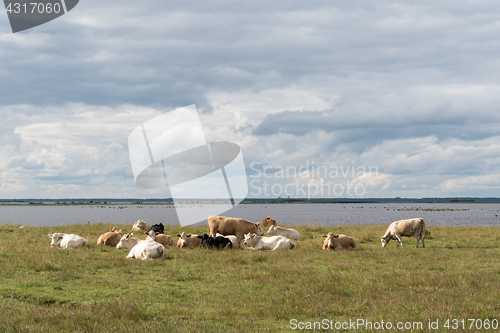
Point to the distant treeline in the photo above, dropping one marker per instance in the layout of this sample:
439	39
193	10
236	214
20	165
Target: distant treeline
108	201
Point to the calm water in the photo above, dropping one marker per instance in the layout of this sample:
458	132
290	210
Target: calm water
284	214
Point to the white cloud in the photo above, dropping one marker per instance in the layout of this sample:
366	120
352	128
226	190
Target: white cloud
410	88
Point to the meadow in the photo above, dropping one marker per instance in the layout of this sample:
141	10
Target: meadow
96	289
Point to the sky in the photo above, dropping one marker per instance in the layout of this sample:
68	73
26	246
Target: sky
329	99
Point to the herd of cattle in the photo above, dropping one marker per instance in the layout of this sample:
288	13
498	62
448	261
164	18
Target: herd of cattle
230	232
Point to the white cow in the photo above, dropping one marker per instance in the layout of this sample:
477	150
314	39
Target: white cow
147	249
127	242
279	231
232	238
268	243
66	241
406	228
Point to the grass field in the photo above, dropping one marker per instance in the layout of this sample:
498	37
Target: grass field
96	289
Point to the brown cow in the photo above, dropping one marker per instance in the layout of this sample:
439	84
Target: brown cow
110	238
163	239
268	221
191	241
232	226
338	242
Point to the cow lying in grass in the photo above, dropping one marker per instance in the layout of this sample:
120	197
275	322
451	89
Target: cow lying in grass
188	241
219	242
338	242
279	231
406	228
159	228
110	238
268	221
267	243
142	249
233	240
139	225
163	239
66	241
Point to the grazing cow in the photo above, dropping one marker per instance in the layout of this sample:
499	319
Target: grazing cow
189	241
217	242
268	243
427	232
232	226
407	228
66	241
163	239
279	231
159	228
139	225
268	221
338	242
110	238
147	249
233	240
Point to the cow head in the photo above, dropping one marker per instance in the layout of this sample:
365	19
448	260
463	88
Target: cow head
330	238
56	239
250	239
125	238
257	230
385	240
183	238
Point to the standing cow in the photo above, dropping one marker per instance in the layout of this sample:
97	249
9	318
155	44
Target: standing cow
406	228
232	226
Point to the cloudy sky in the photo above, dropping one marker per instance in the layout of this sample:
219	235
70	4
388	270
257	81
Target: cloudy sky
392	98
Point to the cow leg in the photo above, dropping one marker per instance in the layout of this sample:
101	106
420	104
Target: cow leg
399	241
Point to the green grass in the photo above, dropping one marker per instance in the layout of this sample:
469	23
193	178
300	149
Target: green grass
96	289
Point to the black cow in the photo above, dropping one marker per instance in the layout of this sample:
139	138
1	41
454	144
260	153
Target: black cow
217	242
157	228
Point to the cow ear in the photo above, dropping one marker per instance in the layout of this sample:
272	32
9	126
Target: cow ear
200	237
146	233
257	223
325	236
188	235
157	233
178	235
335	236
50	235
